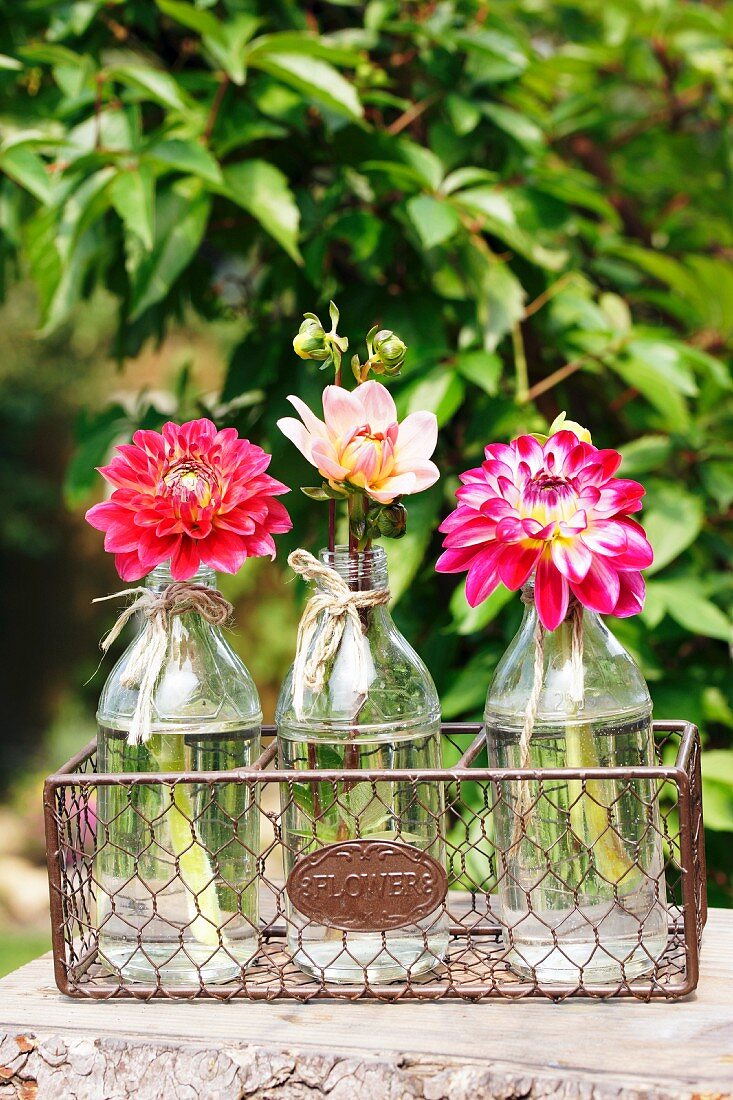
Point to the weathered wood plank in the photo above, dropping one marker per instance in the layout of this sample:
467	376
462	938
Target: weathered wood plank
54	1047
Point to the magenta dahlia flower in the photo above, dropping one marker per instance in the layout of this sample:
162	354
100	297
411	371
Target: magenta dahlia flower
556	511
193	495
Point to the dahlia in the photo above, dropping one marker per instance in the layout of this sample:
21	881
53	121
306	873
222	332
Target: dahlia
362	444
556	511
190	494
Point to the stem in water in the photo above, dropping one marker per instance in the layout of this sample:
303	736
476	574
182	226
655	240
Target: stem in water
590	809
194	863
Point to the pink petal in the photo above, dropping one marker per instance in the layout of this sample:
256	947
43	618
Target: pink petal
483	576
377	402
529	451
315	426
297	434
551	593
417	437
150	441
577	459
605	537
343	411
324	457
638	553
153	550
122	538
619	495
186	559
365	463
631	595
478	495
457	517
237	520
425	473
558	449
129	568
100	516
223	550
278	518
471	532
393	487
516	563
456	560
599	590
571	557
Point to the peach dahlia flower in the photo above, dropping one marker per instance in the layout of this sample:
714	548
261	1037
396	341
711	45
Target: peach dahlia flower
362	444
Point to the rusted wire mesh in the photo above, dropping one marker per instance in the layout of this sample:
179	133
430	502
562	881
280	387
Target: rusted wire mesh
173	884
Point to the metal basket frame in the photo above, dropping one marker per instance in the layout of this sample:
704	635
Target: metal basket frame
474	969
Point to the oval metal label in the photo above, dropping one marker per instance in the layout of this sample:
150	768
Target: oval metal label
367	885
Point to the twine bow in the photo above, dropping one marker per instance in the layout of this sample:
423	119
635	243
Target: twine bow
148	653
314	648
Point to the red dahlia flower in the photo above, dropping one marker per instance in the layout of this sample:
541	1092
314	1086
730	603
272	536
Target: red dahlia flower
558	511
192	494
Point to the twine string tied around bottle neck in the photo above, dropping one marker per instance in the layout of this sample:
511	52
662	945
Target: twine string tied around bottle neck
146	659
316	646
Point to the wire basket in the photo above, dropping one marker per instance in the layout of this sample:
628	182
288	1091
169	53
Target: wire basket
476	964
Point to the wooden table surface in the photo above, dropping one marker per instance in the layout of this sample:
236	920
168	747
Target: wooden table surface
56	1048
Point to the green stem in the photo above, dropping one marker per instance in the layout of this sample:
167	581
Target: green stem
590	808
520	364
194	864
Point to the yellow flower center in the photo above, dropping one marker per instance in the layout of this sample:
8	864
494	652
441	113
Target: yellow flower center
188	481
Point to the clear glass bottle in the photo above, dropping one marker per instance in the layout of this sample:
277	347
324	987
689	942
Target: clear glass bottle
582	884
176	869
396	724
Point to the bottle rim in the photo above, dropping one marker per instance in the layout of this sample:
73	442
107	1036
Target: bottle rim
363	570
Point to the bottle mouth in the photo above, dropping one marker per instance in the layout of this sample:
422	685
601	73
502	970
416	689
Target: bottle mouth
161	576
362	570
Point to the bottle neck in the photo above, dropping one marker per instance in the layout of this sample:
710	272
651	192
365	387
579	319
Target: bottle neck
161	577
363	570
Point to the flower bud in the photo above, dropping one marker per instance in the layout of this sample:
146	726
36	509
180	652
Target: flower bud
392	521
560	424
387	352
310	343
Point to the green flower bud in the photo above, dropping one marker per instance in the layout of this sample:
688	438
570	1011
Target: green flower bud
310	343
561	424
387	352
392	521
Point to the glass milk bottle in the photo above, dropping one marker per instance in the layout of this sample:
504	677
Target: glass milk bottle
176	870
581	869
377	709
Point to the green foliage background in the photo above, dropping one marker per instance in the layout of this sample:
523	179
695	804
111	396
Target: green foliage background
535	194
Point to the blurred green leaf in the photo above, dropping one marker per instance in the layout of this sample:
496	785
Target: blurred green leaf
316	78
517	125
440	391
132	194
672	519
263	191
470	620
180	222
188	157
28	169
159	86
482	368
648	452
434	221
405	556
